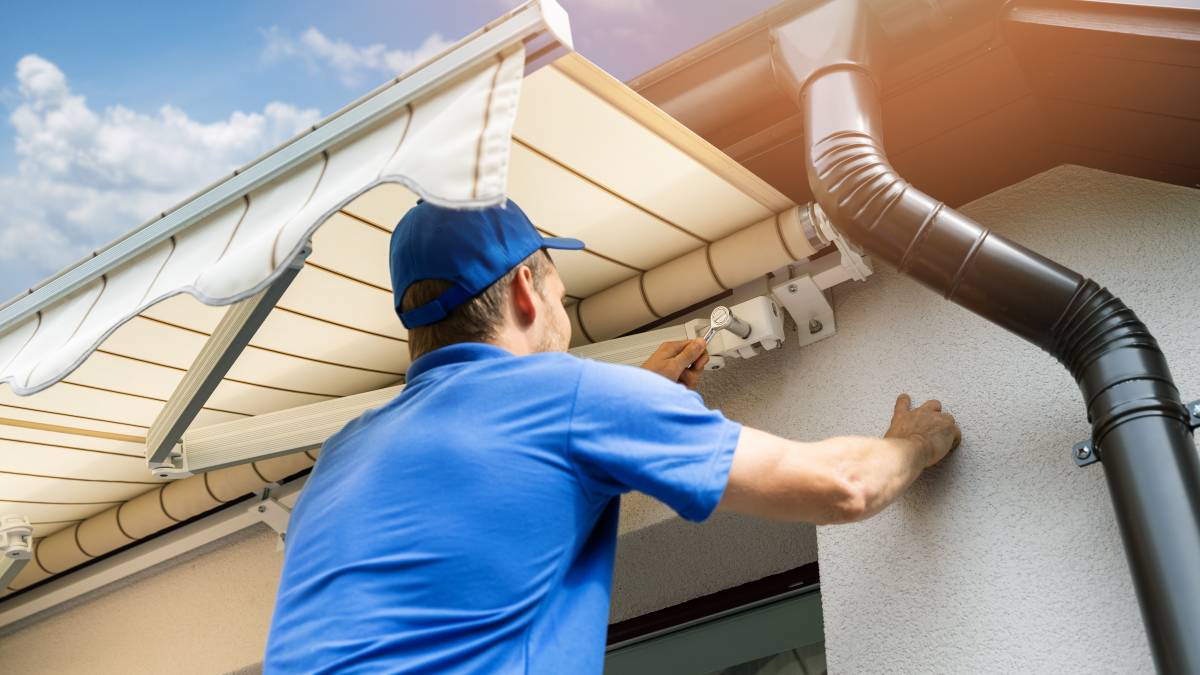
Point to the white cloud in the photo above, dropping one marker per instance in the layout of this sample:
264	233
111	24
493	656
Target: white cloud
83	176
351	63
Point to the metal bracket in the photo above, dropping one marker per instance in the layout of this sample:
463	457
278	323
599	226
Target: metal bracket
761	315
172	467
270	511
1084	453
804	300
16	537
16	546
853	260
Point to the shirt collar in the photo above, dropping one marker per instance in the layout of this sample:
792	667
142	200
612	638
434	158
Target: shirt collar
463	352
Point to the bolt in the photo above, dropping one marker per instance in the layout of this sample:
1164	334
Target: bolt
793	288
815	327
1083	452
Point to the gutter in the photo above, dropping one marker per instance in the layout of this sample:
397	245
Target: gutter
827	60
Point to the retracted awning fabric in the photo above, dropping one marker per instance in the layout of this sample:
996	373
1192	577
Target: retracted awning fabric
584	156
450	148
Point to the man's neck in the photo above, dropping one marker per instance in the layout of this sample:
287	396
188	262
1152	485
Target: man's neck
514	342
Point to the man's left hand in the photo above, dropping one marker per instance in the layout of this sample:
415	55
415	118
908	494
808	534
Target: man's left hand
680	361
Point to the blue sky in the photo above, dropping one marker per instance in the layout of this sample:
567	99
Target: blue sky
113	111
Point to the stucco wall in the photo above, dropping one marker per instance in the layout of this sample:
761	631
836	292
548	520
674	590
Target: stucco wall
1006	558
207	613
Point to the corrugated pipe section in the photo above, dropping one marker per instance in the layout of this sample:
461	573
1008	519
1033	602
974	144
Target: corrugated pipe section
693	277
148	513
1140	427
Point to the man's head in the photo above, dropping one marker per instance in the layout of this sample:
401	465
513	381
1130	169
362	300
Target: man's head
477	276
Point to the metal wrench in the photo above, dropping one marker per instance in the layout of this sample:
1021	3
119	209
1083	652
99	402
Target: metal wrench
723	319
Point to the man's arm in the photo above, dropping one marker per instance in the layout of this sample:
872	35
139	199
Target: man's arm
838	480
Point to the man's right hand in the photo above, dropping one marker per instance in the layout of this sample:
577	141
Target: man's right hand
679	361
927	425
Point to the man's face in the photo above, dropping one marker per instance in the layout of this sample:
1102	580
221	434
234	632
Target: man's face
555	327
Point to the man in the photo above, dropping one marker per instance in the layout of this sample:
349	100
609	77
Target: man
469	525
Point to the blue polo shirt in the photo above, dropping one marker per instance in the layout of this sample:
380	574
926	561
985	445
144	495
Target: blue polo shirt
469	525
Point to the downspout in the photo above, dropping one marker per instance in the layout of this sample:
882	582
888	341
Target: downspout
1141	431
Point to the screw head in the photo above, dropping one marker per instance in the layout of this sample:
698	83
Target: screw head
1083	451
1196	408
815	326
793	288
262	509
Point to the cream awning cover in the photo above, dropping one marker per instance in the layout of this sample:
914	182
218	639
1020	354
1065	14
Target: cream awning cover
451	148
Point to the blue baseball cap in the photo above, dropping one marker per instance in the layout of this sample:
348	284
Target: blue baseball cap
470	248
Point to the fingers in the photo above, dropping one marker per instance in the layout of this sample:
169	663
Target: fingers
689	352
904	404
690	378
666	350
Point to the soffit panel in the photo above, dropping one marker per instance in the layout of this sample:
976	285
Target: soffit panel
627	158
327	296
564	205
17	415
66	462
42	489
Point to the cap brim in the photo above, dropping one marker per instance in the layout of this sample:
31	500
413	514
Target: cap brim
562	242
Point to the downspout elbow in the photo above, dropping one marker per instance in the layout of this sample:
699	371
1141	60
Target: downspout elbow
1140	429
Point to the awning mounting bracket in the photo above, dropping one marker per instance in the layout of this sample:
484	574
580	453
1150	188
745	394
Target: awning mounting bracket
274	514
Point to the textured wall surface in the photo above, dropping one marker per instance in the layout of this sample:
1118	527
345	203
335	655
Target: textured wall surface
206	613
675	561
1005	558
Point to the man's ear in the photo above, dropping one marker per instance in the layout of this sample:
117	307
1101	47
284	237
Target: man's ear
524	297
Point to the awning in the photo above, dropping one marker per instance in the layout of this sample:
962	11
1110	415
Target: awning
91	370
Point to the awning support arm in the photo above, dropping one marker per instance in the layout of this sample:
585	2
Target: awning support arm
233	333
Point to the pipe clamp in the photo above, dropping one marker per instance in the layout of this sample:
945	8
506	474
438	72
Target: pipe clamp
1084	453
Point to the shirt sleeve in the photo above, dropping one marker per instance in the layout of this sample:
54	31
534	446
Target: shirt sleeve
635	430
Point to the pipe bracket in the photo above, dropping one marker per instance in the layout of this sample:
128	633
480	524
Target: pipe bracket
1084	453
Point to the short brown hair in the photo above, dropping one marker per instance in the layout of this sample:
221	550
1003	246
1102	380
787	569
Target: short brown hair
478	319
